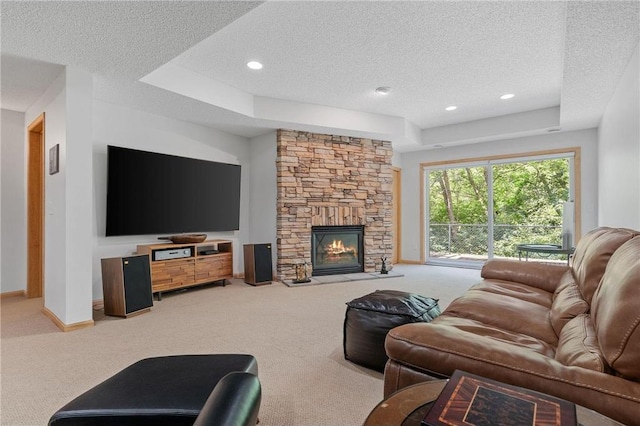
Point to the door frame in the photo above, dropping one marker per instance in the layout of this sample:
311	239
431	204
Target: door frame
396	215
35	207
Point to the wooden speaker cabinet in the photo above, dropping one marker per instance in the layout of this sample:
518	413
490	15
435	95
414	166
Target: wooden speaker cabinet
257	264
126	285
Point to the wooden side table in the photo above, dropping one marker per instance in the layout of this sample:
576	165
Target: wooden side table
408	406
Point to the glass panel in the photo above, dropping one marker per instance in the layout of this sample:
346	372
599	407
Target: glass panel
528	202
458	225
487	211
336	249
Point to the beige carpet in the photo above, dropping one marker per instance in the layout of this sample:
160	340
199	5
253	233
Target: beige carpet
295	334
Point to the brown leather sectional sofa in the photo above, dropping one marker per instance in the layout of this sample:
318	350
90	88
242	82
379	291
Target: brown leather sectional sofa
572	332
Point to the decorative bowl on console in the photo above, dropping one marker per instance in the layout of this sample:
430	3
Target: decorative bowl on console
186	238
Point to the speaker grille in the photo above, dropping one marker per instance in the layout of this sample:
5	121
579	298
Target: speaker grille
257	264
137	283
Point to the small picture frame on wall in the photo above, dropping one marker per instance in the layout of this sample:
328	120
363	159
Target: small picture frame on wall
54	159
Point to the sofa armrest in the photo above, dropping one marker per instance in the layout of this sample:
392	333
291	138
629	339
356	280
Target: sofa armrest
541	275
234	401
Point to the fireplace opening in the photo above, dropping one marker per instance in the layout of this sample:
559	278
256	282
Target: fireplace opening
337	249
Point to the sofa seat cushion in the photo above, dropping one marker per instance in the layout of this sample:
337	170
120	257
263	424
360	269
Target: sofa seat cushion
578	345
505	312
519	291
615	312
450	343
472	328
567	303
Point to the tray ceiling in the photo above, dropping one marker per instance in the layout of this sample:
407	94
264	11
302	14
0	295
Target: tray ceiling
323	60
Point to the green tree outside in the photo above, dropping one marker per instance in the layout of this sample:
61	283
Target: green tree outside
527	206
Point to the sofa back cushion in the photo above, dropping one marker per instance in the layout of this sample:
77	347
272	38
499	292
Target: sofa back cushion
592	255
616	311
567	303
578	345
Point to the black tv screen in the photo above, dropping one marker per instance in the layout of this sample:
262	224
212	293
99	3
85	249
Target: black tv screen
152	193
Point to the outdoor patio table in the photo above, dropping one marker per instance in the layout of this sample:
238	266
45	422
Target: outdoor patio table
547	249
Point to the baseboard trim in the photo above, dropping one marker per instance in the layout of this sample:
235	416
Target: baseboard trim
66	327
97	305
411	262
13	294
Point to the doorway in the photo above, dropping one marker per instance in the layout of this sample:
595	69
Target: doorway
35	207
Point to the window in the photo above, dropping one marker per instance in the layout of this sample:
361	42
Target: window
483	208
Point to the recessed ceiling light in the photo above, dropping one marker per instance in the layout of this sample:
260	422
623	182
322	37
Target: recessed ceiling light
254	65
507	96
383	90
451	108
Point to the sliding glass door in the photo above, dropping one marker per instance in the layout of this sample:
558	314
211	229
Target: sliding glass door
477	211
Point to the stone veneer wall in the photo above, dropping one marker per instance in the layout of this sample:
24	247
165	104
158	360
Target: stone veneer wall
331	180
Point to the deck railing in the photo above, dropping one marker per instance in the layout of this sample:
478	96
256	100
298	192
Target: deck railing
461	240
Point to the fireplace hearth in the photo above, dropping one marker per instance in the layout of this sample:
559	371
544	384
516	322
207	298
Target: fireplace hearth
337	249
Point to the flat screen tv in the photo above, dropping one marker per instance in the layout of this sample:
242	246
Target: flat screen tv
152	193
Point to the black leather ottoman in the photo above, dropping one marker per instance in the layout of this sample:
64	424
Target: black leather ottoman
369	318
169	390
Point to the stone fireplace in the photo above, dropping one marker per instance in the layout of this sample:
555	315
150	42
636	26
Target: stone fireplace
328	181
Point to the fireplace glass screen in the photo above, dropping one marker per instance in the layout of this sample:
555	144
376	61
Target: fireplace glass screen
337	249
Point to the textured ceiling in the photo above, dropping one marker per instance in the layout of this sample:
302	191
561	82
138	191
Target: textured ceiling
599	39
324	59
433	54
25	80
123	39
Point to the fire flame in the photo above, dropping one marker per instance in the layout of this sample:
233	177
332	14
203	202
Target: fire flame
337	247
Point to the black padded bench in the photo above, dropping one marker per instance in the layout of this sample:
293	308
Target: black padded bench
171	390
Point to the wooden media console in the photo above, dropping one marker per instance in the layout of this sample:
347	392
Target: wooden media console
205	262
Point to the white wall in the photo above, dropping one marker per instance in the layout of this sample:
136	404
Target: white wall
67	108
121	126
619	153
264	192
585	139
13	203
396	160
77	169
